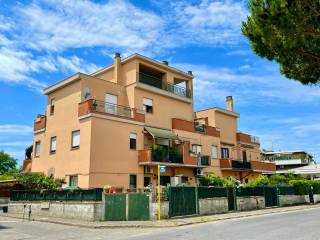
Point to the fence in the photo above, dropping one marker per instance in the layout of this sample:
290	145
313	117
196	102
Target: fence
58	195
211	192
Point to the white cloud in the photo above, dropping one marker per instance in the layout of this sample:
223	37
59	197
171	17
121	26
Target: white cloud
14	129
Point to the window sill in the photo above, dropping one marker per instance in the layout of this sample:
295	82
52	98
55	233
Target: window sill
74	148
52	153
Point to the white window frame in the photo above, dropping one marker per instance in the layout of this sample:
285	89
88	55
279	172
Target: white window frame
196	149
53	144
37	148
132	136
214	151
73	145
147	102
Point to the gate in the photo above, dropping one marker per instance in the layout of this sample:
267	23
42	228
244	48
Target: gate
138	207
115	207
182	201
271	196
232	199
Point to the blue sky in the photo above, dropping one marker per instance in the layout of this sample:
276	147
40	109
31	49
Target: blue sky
42	42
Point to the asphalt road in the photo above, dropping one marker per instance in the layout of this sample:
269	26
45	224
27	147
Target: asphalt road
303	224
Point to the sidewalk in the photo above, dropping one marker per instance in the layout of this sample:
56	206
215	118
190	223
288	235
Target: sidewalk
167	222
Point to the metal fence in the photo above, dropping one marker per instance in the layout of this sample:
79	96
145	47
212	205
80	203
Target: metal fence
286	190
250	191
57	195
211	192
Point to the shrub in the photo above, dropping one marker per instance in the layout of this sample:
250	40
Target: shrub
274	180
316	186
216	181
301	187
39	181
259	181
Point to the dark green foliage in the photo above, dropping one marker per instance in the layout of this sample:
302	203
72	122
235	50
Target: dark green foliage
274	180
301	187
287	32
7	163
39	181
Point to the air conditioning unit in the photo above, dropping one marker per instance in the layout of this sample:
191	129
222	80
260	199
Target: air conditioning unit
148	169
199	171
175	181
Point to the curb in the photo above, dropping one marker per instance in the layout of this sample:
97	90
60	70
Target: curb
203	219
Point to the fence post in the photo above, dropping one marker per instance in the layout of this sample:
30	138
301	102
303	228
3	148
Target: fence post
311	198
197	200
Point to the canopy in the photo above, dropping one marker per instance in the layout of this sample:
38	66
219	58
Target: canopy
161	133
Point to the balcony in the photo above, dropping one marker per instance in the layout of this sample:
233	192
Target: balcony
170	157
40	123
246	138
228	164
109	109
157	82
205	160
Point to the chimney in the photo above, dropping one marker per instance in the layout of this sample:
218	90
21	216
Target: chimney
165	63
117	68
190	73
229	103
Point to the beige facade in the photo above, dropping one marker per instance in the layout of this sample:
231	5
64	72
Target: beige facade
115	126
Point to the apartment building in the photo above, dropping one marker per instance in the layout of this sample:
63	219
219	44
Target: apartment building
286	161
118	124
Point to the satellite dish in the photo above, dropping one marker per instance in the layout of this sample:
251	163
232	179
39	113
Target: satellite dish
86	92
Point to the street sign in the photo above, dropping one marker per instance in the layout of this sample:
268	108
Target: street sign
162	169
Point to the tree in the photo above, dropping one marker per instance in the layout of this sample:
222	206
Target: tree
7	163
287	32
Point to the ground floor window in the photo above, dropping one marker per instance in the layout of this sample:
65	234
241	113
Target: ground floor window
73	180
133	181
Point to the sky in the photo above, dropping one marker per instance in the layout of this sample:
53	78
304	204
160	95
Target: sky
44	41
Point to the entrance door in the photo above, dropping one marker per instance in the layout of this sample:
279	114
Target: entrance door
111	102
271	196
182	201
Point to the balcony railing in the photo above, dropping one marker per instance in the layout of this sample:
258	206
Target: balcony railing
159	83
229	164
166	154
96	106
100	106
243	137
205	160
40	123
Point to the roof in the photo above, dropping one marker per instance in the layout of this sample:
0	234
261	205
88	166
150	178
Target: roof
227	112
77	76
310	169
137	55
284	152
161	133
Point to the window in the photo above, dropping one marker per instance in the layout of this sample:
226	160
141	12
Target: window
133	141
75	139
52	103
37	148
244	156
196	149
148	105
133	181
224	152
214	152
73	180
53	145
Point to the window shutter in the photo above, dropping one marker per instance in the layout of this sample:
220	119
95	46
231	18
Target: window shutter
76	139
147	101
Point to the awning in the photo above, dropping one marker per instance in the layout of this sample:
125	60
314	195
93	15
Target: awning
161	133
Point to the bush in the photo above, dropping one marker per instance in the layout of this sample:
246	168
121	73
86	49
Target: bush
274	180
316	186
216	181
39	181
301	187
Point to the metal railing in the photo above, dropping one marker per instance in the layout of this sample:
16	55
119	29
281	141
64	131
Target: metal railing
240	165
165	154
106	107
57	195
205	160
159	83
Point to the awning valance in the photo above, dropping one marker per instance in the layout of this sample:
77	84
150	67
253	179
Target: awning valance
161	133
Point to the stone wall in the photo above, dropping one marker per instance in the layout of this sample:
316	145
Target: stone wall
316	198
250	203
213	205
164	212
287	200
88	211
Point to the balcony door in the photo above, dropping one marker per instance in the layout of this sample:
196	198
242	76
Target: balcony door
111	102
